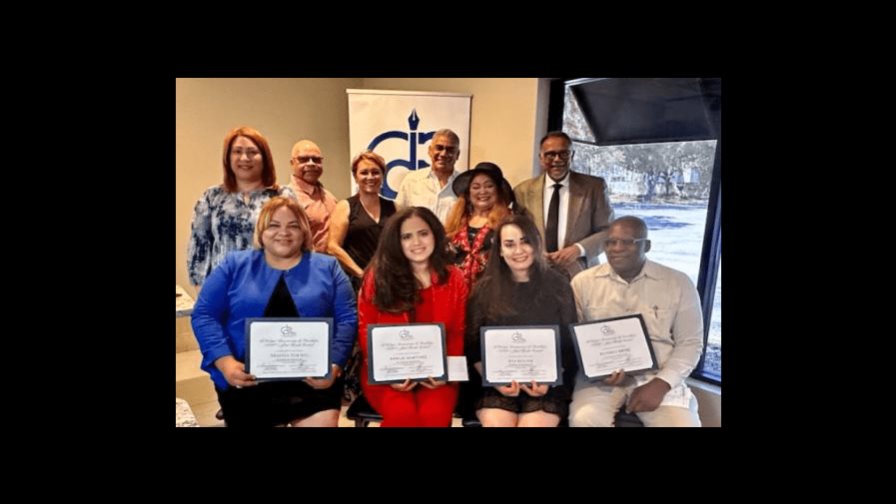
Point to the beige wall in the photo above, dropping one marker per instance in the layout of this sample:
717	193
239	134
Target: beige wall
507	119
283	110
709	402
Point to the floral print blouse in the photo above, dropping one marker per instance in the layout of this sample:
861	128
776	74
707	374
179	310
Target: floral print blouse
223	222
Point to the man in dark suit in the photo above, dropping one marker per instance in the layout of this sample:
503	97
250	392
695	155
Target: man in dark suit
571	210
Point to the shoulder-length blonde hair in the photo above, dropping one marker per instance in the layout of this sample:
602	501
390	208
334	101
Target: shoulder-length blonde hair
267	211
268	173
371	156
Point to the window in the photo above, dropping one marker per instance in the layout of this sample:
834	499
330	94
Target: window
656	143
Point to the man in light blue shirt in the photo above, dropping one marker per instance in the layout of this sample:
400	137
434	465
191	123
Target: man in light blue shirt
431	187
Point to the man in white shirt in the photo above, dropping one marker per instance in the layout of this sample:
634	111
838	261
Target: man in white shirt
668	302
431	187
575	228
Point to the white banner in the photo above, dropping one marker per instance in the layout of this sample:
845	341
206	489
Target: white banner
398	125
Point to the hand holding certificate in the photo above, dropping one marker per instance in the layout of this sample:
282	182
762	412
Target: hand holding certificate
522	354
407	351
288	348
618	343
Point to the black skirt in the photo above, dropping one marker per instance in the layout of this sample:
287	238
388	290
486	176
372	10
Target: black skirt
276	403
556	401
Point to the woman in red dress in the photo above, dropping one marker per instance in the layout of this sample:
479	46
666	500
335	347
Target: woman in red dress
410	280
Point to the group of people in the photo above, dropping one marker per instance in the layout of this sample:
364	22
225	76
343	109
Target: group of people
463	249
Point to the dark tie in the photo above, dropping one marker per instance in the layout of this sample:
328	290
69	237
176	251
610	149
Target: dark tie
550	228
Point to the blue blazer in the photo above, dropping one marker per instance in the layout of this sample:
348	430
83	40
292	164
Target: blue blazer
240	287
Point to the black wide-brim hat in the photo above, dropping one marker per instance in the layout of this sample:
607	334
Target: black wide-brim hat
462	183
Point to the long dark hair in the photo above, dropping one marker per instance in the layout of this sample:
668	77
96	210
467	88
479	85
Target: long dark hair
495	287
395	284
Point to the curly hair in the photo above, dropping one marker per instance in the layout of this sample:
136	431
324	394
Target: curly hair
396	288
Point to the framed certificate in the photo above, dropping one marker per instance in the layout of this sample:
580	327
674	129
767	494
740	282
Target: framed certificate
288	348
401	351
606	345
521	353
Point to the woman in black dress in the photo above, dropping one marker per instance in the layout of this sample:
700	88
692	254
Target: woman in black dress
517	288
355	228
356	223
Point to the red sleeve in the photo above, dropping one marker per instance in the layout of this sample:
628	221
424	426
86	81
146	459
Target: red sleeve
367	312
455	326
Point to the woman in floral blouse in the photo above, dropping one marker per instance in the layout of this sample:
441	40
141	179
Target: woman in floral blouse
224	217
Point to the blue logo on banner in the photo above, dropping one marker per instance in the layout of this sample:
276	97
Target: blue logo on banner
413	138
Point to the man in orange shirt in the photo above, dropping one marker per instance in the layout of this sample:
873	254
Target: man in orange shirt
307	167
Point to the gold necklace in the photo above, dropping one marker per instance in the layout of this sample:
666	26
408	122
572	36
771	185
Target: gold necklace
369	211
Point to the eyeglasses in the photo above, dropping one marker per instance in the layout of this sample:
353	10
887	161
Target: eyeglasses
624	243
448	149
305	159
564	155
250	153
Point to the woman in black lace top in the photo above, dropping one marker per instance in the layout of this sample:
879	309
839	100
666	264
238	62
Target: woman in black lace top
518	288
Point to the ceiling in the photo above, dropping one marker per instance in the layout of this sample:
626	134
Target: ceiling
648	110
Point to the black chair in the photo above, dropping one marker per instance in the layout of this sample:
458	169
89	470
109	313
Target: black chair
362	413
465	396
624	419
471	421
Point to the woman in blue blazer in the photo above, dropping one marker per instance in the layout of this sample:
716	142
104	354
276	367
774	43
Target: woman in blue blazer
281	277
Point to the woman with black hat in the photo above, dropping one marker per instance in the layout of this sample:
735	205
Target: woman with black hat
484	198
